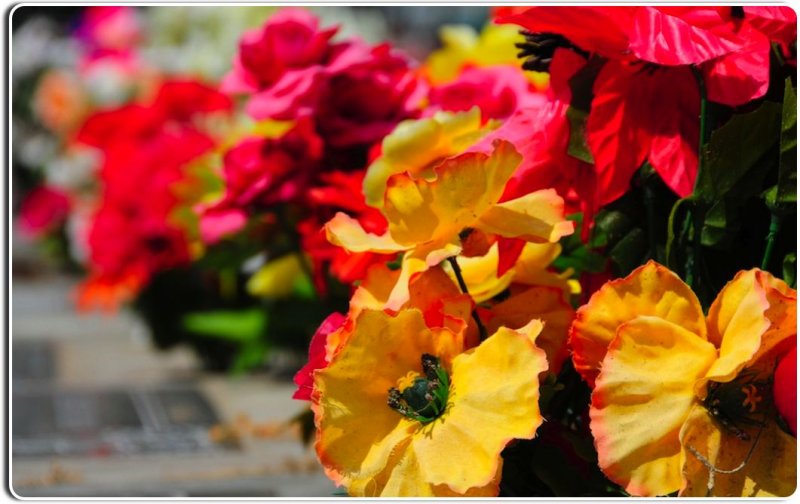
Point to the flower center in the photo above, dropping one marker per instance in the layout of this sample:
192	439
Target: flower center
734	404
538	49
422	398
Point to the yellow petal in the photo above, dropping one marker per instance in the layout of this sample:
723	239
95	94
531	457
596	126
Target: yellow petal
782	315
536	217
546	304
494	395
375	288
356	430
415	146
399	295
465	187
480	275
736	323
347	232
771	471
403	478
535	258
641	398
650	290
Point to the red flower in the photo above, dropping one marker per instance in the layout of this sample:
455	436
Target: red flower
284	63
259	172
145	149
339	191
42	209
355	93
362	102
785	389
317	358
498	91
646	100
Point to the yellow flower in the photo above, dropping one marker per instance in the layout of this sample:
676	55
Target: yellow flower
440	435
427	215
280	278
462	46
680	399
415	146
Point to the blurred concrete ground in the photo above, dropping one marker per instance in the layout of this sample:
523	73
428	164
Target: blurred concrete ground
97	412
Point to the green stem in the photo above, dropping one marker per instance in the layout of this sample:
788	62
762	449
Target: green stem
774	227
463	285
693	253
649	201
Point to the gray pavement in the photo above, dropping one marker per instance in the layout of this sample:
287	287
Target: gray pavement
156	436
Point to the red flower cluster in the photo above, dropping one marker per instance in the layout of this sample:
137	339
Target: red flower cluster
145	149
342	98
646	98
355	93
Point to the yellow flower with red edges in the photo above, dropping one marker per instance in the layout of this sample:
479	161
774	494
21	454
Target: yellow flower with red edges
426	216
416	145
682	401
403	410
480	272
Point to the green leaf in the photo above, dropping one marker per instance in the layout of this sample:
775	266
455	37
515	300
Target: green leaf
581	85
790	269
576	255
676	238
251	355
243	326
733	162
577	146
630	251
613	226
720	226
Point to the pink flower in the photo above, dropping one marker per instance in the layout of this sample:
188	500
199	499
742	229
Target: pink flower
109	28
498	91
290	40
42	209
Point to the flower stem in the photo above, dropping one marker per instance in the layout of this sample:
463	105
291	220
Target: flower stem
693	254
774	227
463	285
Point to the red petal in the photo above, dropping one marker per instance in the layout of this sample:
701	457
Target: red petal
785	389
304	379
777	23
741	76
509	250
659	37
615	128
673	151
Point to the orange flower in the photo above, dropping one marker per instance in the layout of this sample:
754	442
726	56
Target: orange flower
60	102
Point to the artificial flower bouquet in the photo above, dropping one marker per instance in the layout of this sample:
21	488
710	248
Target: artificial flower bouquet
555	258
